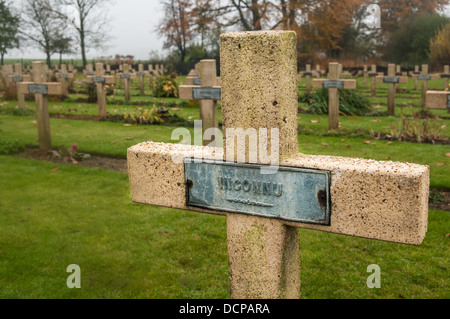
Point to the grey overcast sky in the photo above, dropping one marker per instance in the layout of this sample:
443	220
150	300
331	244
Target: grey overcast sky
132	27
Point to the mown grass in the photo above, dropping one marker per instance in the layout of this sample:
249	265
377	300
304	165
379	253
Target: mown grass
126	250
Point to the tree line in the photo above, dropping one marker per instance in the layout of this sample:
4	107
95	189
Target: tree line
53	26
326	29
411	32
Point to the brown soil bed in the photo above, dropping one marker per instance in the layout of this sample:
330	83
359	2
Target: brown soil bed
439	199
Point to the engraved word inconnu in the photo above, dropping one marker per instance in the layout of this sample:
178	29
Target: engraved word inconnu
256	187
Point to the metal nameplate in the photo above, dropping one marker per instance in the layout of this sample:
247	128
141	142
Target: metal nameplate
108	72
445	76
125	76
416	72
17	78
291	194
38	88
140	73
307	74
391	80
333	84
425	77
372	75
63	76
207	94
98	79
398	73
197	81
90	73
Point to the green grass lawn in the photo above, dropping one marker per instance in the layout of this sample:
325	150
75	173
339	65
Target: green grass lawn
125	250
53	215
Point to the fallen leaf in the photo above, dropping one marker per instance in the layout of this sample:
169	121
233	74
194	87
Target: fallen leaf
348	146
367	142
389	143
343	140
175	109
375	121
128	138
55	170
313	121
441	164
448	154
127	125
373	143
324	144
447	235
34	122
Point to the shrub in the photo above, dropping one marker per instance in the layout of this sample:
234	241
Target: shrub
165	86
351	102
144	116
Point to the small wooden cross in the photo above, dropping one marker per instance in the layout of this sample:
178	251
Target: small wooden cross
208	93
101	80
333	84
18	77
41	91
365	198
392	79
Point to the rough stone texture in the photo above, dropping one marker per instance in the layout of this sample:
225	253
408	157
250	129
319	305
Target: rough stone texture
372	199
259	87
437	99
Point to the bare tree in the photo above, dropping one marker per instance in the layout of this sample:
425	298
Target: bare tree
89	18
40	26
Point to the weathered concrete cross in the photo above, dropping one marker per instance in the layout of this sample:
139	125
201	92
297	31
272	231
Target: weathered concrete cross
307	74
208	93
333	84
101	80
391	79
41	91
365	198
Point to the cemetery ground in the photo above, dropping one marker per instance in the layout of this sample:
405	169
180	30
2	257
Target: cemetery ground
56	211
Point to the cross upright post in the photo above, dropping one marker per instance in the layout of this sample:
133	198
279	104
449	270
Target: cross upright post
373	74
265	198
141	74
392	79
41	90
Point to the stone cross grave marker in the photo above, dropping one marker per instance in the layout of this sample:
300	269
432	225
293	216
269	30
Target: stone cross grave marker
192	78
18	77
415	76
126	78
333	84
208	93
392	79
141	74
41	91
446	75
63	77
365	198
101	80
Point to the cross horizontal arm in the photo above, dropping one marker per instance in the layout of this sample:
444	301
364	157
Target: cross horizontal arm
40	88
344	84
371	199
